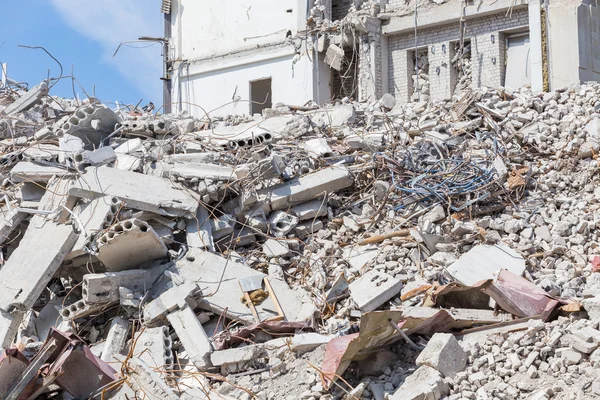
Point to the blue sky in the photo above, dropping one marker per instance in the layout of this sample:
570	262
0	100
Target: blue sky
85	34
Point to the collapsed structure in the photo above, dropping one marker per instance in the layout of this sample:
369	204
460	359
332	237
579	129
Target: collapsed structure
250	57
442	249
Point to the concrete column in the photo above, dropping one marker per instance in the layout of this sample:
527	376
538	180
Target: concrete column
488	53
369	65
442	76
385	65
535	46
563	43
404	66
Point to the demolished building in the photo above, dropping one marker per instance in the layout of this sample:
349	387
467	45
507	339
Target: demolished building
249	57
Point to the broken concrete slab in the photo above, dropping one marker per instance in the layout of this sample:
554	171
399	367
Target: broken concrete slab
444	354
373	289
139	191
28	100
26	171
30	267
130	244
483	262
224	297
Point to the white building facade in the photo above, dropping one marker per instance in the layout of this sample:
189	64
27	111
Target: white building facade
235	57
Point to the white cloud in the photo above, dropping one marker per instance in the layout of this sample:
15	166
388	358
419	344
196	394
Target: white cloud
109	22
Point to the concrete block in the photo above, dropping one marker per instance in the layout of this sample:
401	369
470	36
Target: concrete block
137	191
297	191
424	384
588	334
593	129
101	156
222	226
305	342
155	347
334	57
444	354
116	339
282	223
592	306
581	345
81	309
275	248
373	289
307	228
237	356
192	336
482	262
129	244
310	210
26	171
317	148
91	123
104	288
175	298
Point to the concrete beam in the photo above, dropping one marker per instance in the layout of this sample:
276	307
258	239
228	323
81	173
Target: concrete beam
535	46
29	269
445	14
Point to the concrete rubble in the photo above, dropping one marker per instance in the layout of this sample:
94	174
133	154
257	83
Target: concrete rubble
442	250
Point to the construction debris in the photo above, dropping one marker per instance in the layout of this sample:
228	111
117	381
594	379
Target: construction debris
427	250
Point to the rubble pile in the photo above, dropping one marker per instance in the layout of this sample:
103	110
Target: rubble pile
428	250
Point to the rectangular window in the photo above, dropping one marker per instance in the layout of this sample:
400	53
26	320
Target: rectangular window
260	95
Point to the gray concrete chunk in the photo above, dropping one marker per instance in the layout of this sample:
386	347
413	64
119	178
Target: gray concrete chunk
444	354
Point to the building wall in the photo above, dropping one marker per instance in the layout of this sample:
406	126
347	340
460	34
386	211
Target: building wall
339	8
207	28
573	42
479	30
